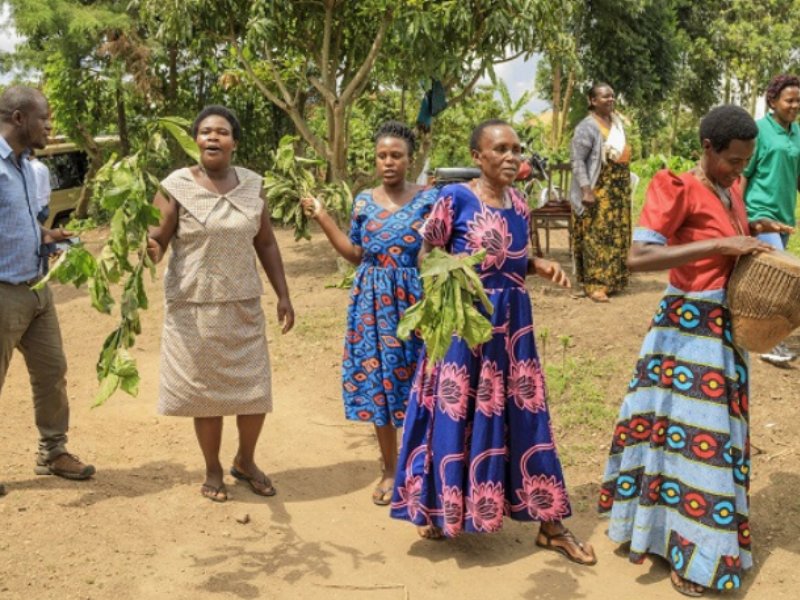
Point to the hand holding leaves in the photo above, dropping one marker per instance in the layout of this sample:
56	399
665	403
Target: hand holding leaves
452	289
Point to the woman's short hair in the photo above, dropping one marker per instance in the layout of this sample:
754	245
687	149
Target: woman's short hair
592	93
219	111
778	84
396	129
726	123
477	133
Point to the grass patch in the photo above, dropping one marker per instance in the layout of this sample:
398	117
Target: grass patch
577	390
316	321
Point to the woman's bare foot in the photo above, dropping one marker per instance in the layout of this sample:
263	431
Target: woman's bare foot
686	587
554	536
430	532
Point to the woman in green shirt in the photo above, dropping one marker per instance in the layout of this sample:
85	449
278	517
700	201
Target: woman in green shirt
772	179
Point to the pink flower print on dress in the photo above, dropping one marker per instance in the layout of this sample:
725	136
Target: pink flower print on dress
439	224
489	230
453	504
485	506
520	204
453	390
426	387
490	397
526	385
544	497
410	495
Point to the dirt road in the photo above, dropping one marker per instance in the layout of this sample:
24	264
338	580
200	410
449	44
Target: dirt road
140	529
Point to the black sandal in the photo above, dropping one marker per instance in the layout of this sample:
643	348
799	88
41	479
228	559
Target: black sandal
564	535
260	487
215	494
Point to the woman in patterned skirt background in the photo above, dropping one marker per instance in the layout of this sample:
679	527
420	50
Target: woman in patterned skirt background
478	443
601	197
383	242
677	479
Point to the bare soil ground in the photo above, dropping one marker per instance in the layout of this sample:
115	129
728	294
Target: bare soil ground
140	530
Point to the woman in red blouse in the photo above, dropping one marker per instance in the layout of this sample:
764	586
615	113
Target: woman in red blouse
678	473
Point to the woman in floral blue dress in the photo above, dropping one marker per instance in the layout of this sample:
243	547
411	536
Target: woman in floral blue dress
478	442
384	242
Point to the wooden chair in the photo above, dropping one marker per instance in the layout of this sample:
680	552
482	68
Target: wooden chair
556	213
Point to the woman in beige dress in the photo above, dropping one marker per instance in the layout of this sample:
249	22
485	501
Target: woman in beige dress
214	358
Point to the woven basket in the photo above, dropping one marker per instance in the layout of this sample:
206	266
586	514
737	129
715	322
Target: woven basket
764	299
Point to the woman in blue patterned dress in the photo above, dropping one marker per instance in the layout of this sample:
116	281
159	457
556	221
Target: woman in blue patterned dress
478	443
384	242
677	479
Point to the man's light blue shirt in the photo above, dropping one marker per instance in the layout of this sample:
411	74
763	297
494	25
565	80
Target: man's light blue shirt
20	234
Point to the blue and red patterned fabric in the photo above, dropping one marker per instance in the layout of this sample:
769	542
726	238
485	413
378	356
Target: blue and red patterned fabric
677	479
377	367
478	443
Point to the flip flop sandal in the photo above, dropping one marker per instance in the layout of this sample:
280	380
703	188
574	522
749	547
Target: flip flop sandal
684	586
215	494
565	535
254	482
379	496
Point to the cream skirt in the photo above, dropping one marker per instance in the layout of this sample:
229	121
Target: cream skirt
214	360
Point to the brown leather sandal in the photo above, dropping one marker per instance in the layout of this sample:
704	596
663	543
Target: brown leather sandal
545	540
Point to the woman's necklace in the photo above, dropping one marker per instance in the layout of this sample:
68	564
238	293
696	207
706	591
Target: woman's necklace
486	198
721	193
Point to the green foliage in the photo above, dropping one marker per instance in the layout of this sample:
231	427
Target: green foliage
123	188
452	288
647	167
290	178
450	145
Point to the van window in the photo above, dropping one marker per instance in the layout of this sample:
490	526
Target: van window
66	170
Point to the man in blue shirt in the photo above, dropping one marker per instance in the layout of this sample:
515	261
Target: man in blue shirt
28	319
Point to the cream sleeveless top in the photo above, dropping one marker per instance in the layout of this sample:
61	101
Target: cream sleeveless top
213	259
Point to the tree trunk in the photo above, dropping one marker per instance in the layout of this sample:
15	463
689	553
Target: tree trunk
95	162
338	147
556	64
727	92
425	139
565	107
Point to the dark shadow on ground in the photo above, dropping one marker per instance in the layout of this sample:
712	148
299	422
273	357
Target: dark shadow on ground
143	480
291	559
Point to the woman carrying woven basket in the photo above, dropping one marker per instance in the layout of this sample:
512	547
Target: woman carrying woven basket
677	477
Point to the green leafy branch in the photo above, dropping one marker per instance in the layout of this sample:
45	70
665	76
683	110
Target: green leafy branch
123	188
452	290
291	178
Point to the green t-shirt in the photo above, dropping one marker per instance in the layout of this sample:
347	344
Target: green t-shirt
772	173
